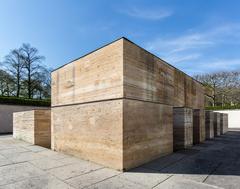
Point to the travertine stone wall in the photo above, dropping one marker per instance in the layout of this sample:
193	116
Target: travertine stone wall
147	132
182	128
92	131
146	77
33	126
223	123
23	126
94	77
132	133
199	134
209	119
125	94
217	124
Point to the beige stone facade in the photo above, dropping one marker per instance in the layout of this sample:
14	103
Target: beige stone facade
114	105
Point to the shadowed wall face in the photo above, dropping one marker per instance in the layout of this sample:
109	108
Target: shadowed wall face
209	119
198	126
147	132
217	129
182	128
223	123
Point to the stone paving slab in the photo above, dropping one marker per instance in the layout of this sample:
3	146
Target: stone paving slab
164	162
116	183
144	177
17	172
23	157
91	178
179	183
40	182
73	170
213	164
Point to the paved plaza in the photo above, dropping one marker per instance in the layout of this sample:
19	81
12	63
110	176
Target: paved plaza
213	164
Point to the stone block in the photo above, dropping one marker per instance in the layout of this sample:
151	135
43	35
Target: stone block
209	119
133	132
198	126
33	126
223	123
217	127
114	105
182	128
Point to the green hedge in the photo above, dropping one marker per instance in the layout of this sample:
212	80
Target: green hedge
223	107
24	101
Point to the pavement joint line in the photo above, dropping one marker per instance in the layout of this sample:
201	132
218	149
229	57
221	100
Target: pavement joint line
16	153
14	163
80	174
104	180
6	164
35	151
64	181
219	164
169	165
183	158
49	168
162	181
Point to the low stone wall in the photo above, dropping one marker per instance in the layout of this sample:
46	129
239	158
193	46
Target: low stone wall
6	115
182	128
33	126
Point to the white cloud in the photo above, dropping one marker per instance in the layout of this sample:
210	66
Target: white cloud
220	64
148	14
194	45
213	65
179	44
181	58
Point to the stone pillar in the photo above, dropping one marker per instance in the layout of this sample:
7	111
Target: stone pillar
216	124
198	126
209	118
182	128
223	123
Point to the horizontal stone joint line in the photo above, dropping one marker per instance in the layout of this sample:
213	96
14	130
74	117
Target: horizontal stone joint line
105	100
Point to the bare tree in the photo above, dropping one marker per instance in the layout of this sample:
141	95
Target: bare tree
42	84
15	65
6	84
226	86
32	62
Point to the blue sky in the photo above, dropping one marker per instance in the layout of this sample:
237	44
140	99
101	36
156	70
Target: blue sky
196	36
